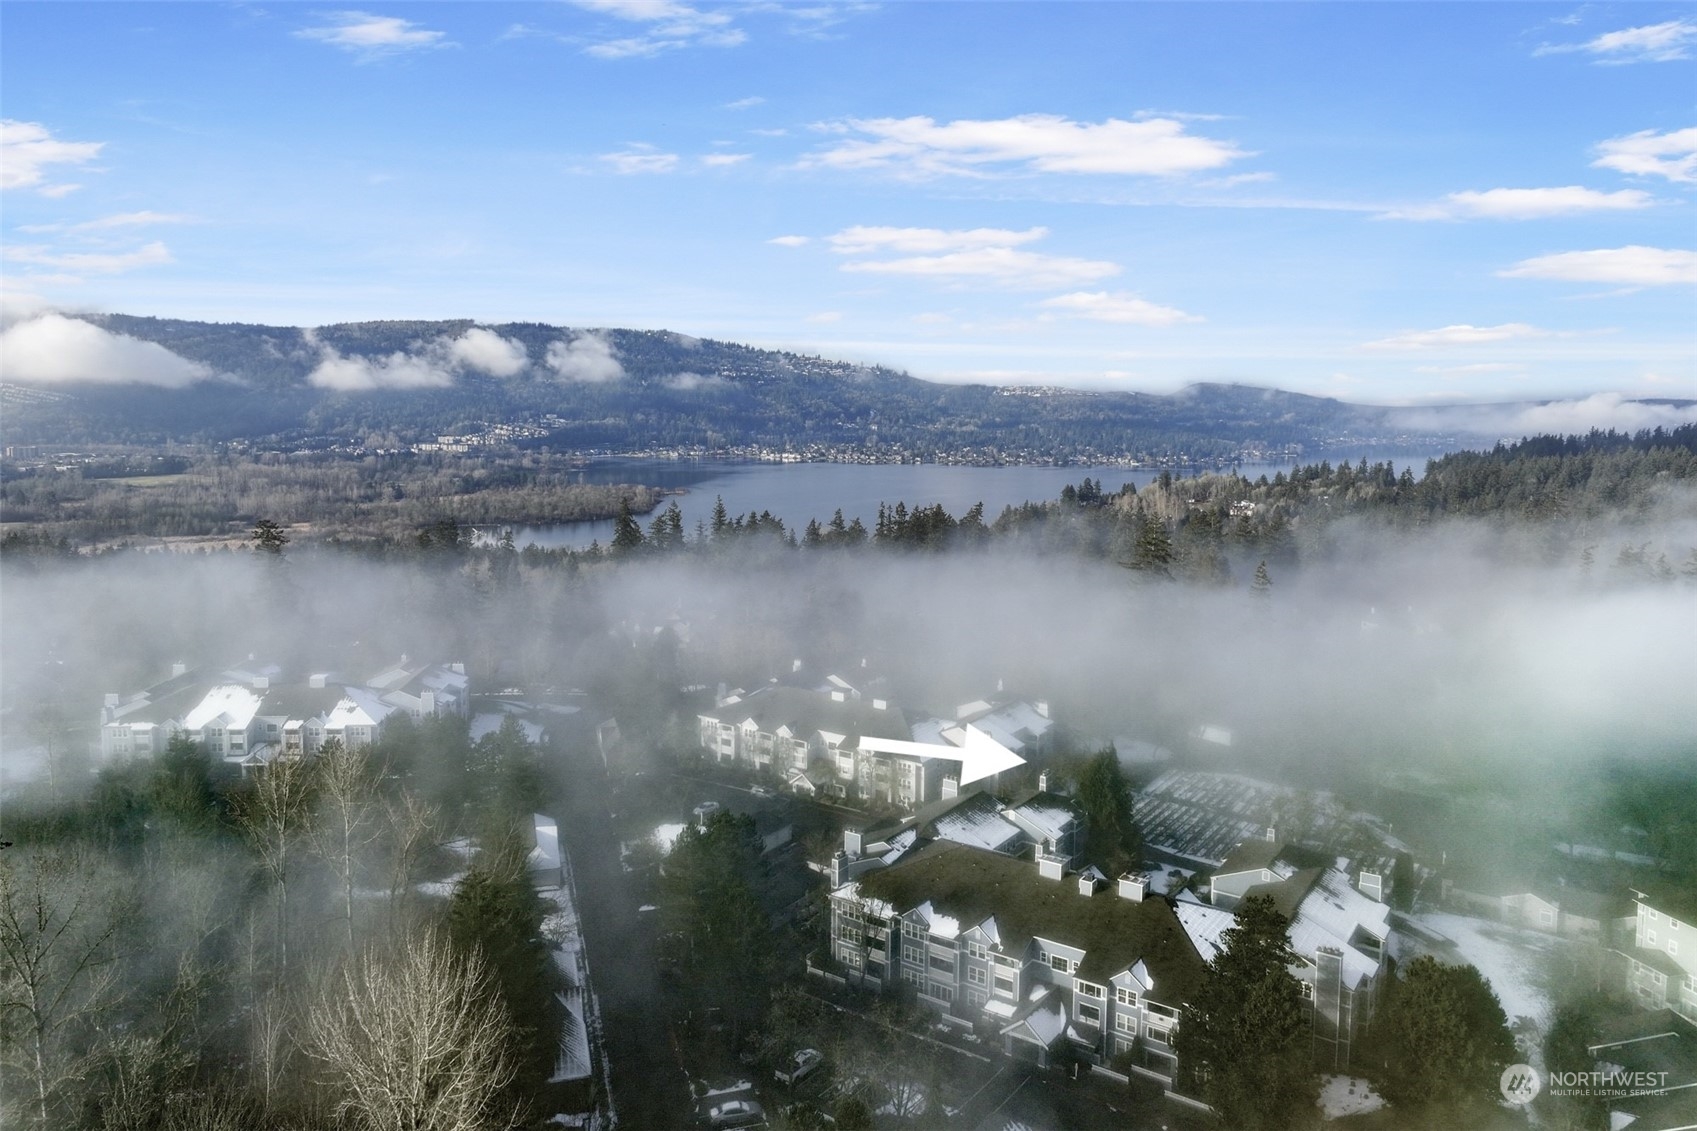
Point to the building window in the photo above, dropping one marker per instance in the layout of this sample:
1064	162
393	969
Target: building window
851	959
938	990
1004	985
1125	996
975	975
1156	1036
976	998
1673	947
1060	962
1650	938
912	978
912	930
1090	1014
938	962
978	950
1307	990
1088	990
1126	1023
875	970
914	955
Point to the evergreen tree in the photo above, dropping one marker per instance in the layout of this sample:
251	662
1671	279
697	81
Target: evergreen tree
1105	796
627	535
1446	1040
1245	1034
1262	586
268	537
721	524
1152	554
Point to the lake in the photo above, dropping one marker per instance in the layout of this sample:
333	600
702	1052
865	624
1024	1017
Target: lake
798	492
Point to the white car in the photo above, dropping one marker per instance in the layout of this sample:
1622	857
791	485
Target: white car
802	1065
736	1113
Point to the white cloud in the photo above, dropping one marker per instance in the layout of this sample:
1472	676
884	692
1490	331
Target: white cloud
94	263
1647	153
789	241
53	349
1631	266
1239	179
1455	372
374	37
826	316
1652	43
1602	410
693	382
1044	143
355	374
748	103
720	160
1119	306
1458	335
641	158
28	148
589	358
488	352
864	240
121	220
1524	204
670	25
55	192
1004	266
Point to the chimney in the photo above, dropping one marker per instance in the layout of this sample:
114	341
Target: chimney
261	683
852	842
1042	706
795	666
179	668
839	861
315	680
1087	881
1050	866
1272	833
111	698
1043	782
951	788
880	704
1134	886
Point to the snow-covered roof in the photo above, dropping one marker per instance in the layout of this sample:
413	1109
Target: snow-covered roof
1204	923
1329	916
229	705
1051	816
1014	724
1044	1024
976	820
357	707
939	924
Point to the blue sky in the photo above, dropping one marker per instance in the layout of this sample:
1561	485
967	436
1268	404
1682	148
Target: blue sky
1384	202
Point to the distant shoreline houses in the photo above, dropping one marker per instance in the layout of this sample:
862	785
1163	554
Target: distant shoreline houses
251	716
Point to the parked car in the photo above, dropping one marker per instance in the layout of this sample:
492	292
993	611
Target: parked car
802	1065
736	1113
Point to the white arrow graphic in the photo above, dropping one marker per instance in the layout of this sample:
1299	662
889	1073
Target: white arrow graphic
979	756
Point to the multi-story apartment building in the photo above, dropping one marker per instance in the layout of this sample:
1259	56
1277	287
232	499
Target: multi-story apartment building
811	740
248	717
1341	933
992	942
1661	967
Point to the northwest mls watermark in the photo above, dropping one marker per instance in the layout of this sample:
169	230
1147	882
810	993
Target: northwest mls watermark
1521	1084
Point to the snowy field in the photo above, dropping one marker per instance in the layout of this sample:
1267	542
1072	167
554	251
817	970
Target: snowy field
1348	1095
1512	959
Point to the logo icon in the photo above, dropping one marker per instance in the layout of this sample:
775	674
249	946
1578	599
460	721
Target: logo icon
1520	1084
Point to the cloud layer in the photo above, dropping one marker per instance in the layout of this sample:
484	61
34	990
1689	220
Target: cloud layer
1525	204
1121	307
1032	143
432	365
1650	154
1458	335
1651	43
27	149
54	350
374	37
588	359
1633	266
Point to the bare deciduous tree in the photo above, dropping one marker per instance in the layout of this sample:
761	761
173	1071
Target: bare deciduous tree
415	1037
413	828
347	822
61	918
275	815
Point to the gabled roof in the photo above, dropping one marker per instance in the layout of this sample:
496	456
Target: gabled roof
972	885
357	707
1250	856
1048	813
228	705
971	818
808	712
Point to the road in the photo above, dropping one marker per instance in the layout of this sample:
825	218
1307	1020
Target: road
649	1088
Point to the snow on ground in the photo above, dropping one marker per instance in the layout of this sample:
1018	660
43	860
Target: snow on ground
1348	1095
1508	957
665	836
442	889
